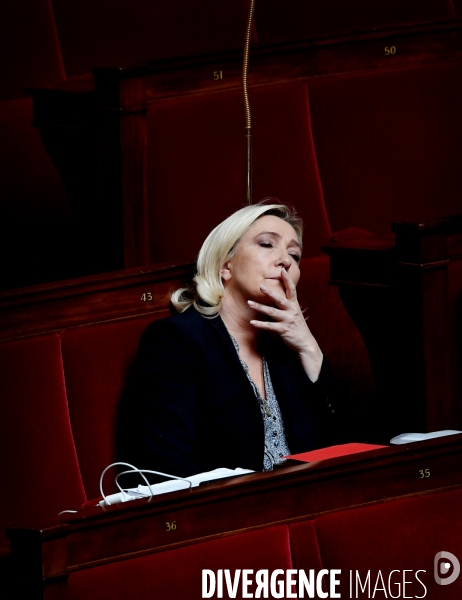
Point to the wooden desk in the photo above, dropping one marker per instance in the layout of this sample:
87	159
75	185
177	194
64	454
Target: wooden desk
45	557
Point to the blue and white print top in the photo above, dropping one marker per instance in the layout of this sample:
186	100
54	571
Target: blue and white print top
275	440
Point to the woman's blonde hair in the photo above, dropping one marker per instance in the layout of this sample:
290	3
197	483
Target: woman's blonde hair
207	288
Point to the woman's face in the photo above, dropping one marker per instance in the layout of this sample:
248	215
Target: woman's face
268	246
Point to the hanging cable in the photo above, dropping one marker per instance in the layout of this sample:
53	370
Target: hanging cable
248	117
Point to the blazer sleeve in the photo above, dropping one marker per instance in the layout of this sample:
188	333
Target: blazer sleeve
331	407
160	416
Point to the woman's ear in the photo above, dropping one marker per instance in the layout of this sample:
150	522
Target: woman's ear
225	271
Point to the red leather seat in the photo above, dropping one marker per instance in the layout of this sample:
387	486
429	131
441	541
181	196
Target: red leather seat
195	167
97	360
389	144
404	534
38	462
177	573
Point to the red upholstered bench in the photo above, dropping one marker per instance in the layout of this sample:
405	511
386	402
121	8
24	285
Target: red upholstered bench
61	392
34	209
387	142
177	574
97	360
38	461
125	32
59	395
209	145
399	535
29	44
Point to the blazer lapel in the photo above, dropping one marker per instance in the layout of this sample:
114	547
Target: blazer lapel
220	332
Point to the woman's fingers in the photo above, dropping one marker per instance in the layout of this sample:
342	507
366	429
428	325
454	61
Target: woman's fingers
291	290
286	317
290	294
269	325
271	311
279	299
288	322
286	304
287	330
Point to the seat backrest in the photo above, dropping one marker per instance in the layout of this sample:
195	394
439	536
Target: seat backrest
294	20
35	217
38	462
34	210
404	534
196	168
125	32
178	573
30	54
97	360
388	144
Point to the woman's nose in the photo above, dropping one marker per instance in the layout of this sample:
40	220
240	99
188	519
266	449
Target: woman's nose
285	261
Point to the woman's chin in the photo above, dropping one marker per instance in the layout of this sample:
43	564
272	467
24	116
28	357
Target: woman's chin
262	298
275	285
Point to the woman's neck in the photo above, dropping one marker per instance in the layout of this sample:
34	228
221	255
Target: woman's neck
237	321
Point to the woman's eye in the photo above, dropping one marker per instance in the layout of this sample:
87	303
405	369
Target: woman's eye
296	257
266	245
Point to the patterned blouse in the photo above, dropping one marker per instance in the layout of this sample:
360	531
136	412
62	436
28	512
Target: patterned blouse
275	440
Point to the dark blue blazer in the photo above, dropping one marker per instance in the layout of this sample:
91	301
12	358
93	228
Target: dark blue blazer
190	407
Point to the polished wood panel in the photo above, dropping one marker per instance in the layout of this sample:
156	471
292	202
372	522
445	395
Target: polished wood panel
281	62
97	536
93	299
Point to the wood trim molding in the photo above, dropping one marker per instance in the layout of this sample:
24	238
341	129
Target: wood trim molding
92	299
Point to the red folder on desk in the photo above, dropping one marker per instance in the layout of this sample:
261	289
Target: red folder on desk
333	452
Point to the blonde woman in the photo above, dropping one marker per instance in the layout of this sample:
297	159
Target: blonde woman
236	378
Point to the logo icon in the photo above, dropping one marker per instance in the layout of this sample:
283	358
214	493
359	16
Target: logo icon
446	564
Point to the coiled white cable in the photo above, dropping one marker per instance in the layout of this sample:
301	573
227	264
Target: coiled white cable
134	469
